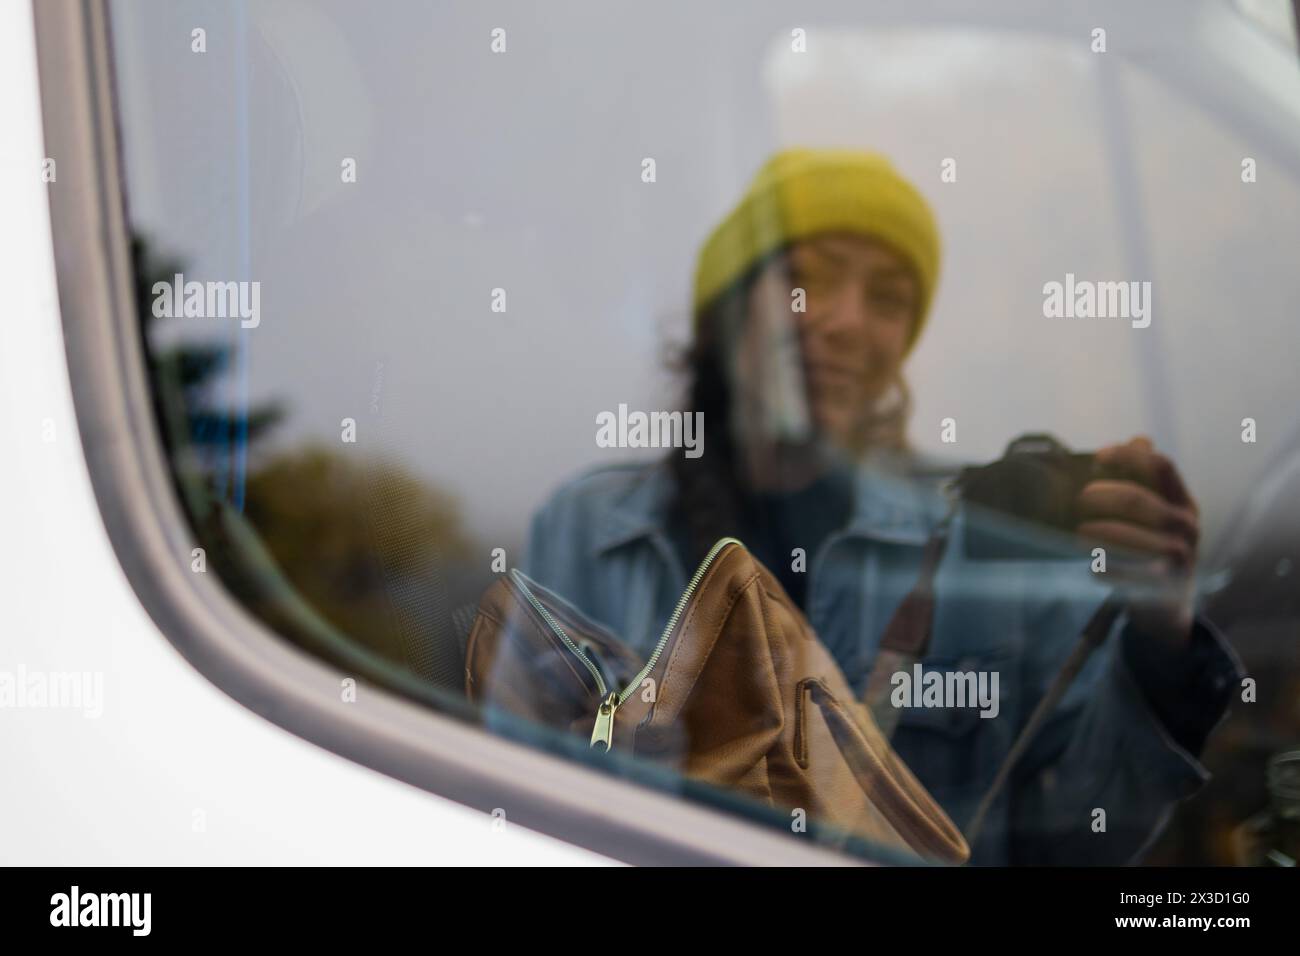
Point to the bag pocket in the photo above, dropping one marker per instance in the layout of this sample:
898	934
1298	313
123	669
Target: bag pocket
895	806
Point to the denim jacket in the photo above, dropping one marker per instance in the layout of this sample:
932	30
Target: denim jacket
602	542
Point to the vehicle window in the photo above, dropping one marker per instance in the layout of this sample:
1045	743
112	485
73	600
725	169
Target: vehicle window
771	408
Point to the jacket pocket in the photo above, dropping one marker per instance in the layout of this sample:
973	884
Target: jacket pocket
952	748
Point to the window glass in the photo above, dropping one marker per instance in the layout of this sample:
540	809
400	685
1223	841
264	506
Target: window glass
477	339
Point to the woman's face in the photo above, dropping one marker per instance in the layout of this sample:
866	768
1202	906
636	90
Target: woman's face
860	300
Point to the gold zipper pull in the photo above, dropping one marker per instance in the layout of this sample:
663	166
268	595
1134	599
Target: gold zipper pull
603	732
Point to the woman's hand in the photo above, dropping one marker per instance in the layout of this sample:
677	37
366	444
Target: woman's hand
1153	523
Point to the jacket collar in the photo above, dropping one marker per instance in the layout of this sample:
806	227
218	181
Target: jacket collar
640	511
887	507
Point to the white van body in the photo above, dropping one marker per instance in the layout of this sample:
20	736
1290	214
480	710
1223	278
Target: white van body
172	771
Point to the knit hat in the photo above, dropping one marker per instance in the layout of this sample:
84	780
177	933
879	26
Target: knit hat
802	192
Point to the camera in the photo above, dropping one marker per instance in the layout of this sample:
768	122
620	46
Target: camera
1025	503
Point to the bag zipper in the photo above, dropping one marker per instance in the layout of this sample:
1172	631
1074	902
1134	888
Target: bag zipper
611	701
522	581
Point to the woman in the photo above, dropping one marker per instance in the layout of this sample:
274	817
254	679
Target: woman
808	299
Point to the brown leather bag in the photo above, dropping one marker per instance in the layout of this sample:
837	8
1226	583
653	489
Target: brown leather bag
738	693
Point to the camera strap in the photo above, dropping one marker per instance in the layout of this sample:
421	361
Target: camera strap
1093	636
906	640
907	636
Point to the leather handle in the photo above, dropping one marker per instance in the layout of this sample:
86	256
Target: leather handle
885	780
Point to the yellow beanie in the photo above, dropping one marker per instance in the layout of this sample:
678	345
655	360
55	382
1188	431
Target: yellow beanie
802	192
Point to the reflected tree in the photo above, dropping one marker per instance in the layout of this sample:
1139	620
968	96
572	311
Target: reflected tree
333	550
